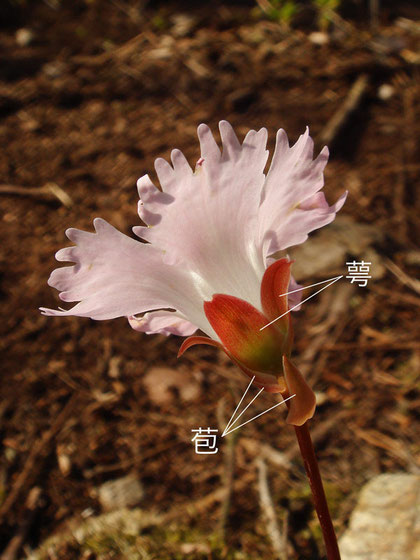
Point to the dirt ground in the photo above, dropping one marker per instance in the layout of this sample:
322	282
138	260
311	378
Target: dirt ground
90	94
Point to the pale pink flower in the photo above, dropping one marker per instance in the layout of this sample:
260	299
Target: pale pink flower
212	230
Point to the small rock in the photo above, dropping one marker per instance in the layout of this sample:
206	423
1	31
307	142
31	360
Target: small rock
183	24
385	92
120	493
165	50
321	398
54	69
114	368
10	454
24	37
64	462
385	525
195	548
408	25
162	384
327	251
88	512
412	258
388	44
118	527
318	38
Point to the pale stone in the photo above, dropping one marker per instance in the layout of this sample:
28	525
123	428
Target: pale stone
327	251
160	383
121	526
385	525
318	38
120	493
386	91
24	37
183	24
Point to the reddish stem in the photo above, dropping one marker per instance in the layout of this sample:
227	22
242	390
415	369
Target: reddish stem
315	481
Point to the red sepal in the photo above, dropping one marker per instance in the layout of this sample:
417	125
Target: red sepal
238	325
275	282
194	340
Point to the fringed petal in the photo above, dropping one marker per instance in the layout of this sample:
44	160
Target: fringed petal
206	220
291	206
116	276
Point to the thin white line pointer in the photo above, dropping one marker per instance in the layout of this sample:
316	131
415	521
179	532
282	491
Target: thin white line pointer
239	404
258	415
331	282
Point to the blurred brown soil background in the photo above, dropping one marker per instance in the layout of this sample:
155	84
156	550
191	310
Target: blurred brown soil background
90	94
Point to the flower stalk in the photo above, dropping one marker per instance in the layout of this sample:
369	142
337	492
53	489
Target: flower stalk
320	502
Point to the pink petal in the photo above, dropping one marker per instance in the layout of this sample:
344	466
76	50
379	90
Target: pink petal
206	220
295	298
291	206
300	222
162	322
116	276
